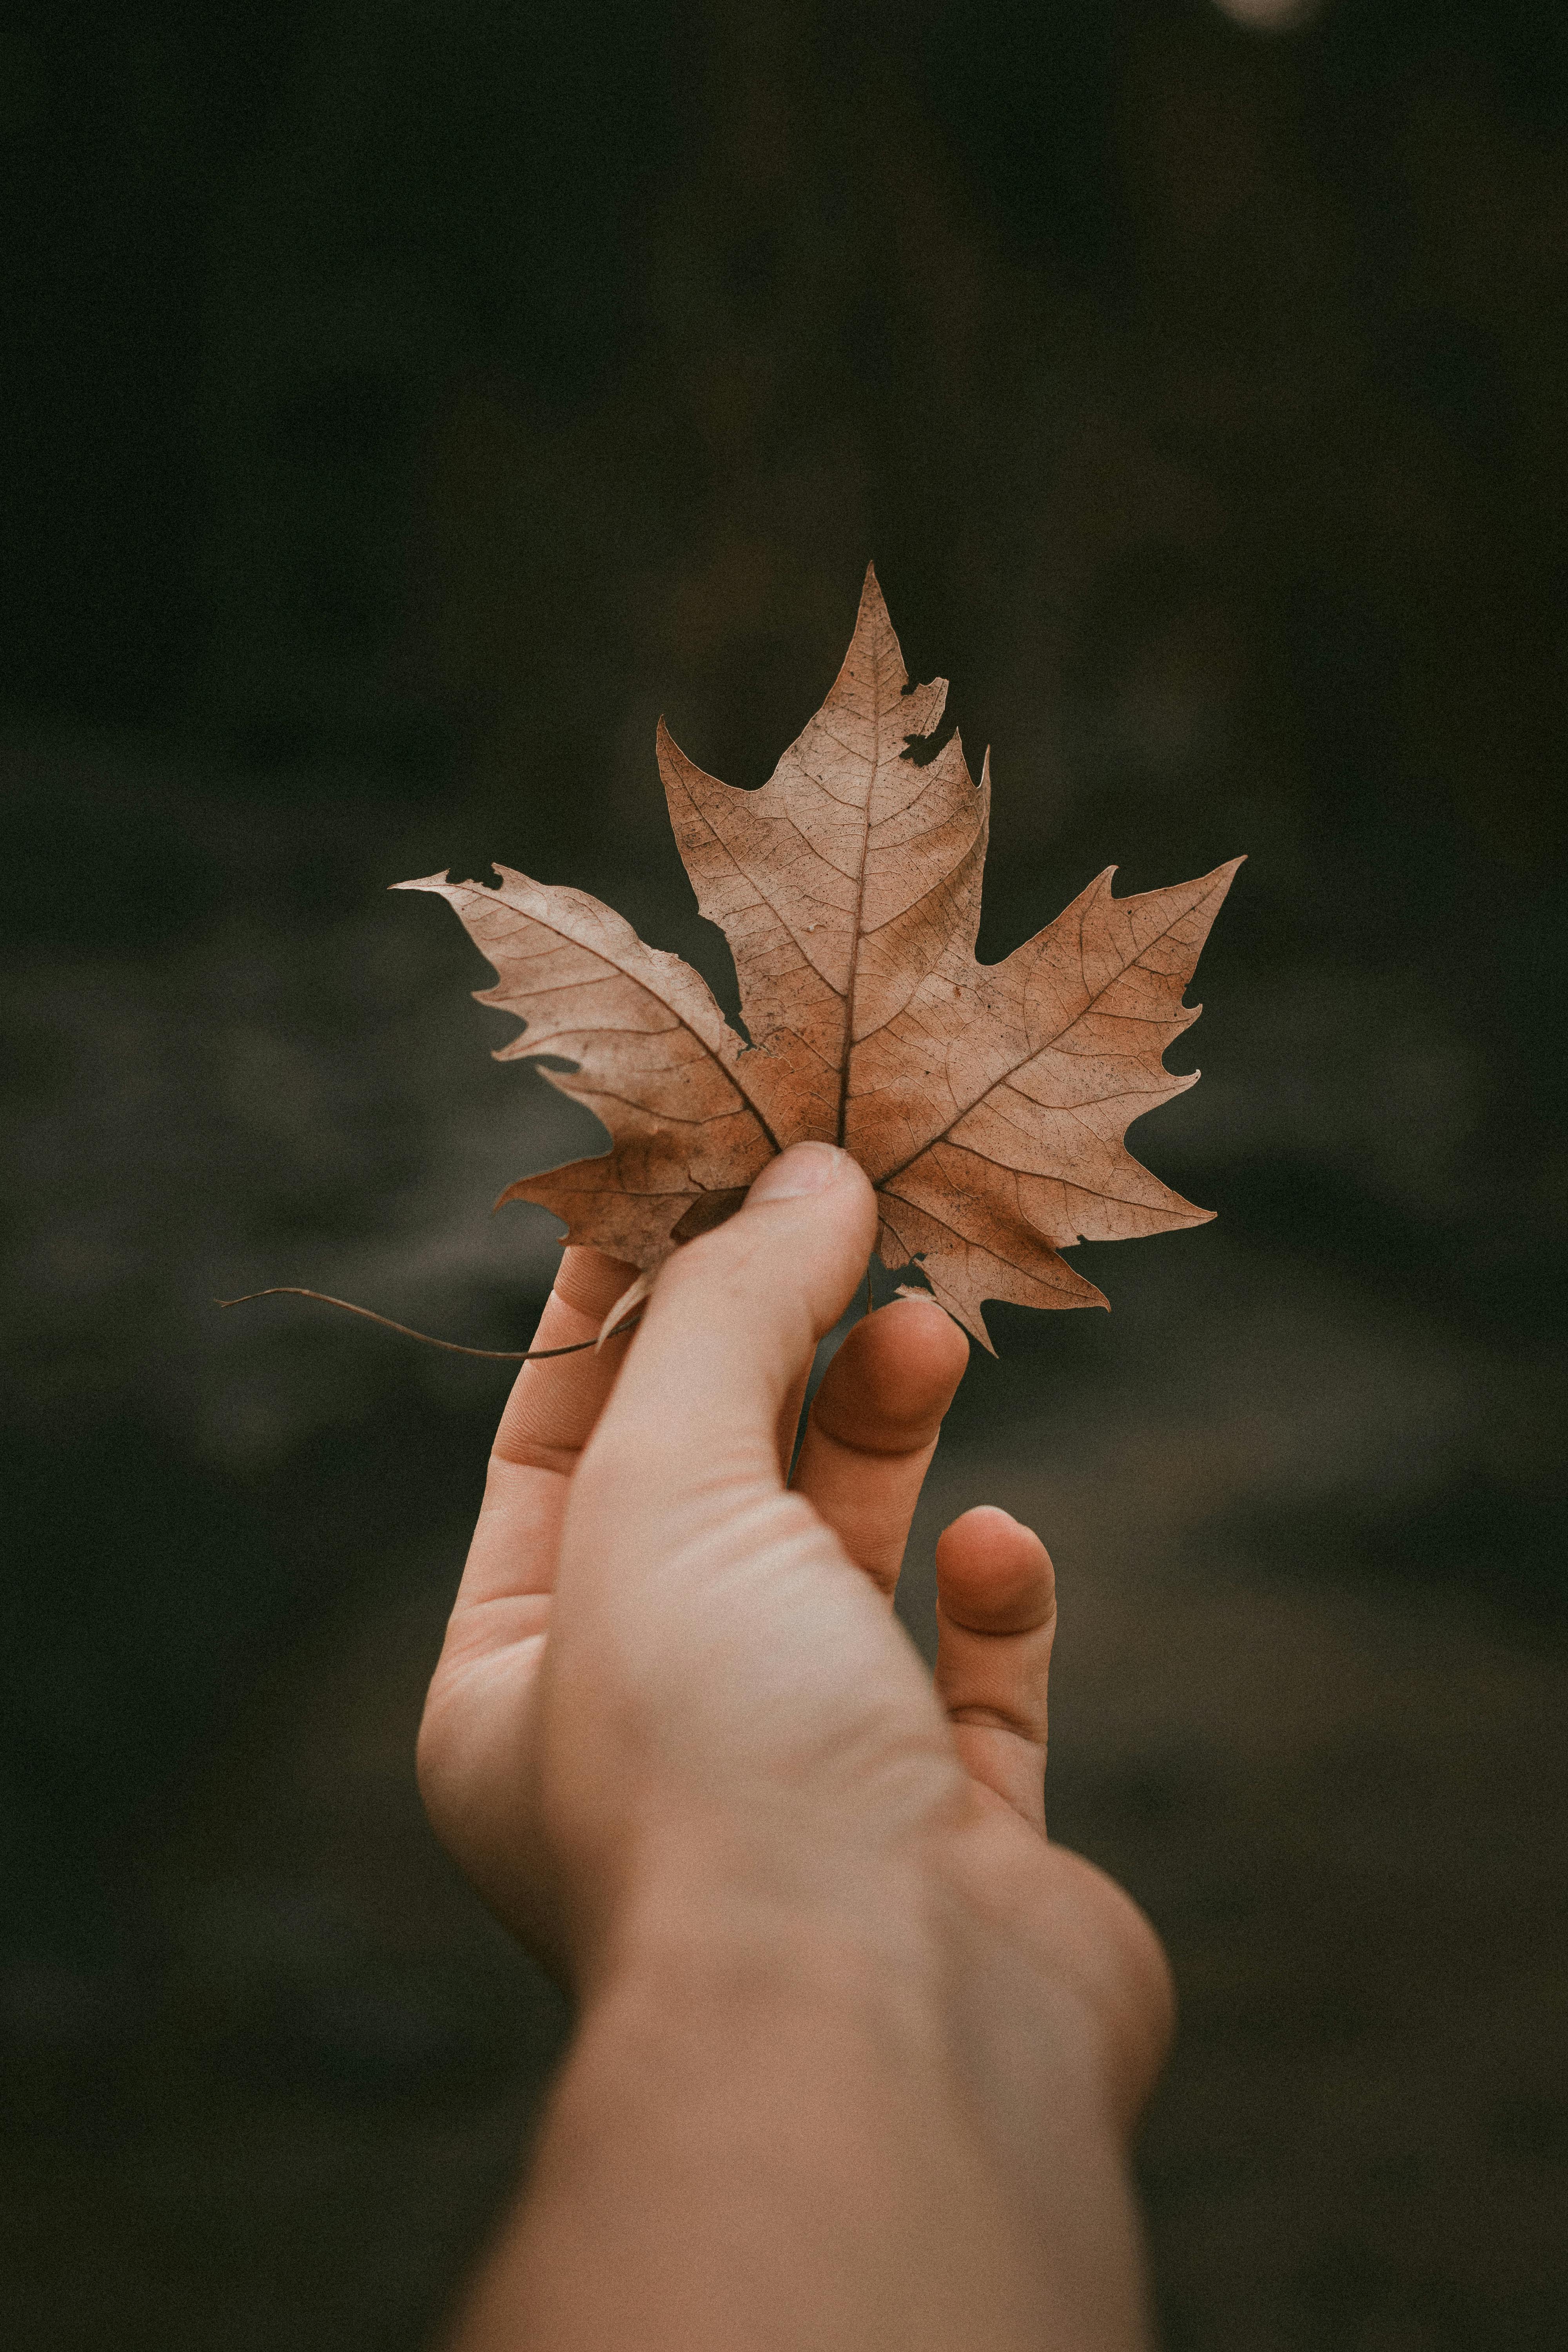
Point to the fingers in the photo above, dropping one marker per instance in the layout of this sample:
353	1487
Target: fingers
874	1426
996	1617
553	1405
730	1327
547	1421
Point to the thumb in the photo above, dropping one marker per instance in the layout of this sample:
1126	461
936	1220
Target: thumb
731	1326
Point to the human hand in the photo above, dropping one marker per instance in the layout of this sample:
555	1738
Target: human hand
670	1680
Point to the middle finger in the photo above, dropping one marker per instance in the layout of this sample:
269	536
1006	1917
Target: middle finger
873	1429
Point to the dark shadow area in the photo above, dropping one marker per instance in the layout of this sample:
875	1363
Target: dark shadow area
403	407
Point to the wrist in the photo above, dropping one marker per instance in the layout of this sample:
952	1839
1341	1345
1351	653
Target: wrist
776	1921
898	1949
879	2068
824	2099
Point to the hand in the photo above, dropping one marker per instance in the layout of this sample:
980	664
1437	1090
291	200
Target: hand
667	1673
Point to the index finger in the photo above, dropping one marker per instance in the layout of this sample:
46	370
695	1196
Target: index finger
548	1419
549	1414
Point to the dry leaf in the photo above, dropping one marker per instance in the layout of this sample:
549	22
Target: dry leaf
988	1103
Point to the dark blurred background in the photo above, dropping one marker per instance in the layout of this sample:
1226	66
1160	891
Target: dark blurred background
403	404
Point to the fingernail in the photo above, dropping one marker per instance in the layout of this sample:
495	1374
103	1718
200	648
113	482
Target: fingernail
803	1168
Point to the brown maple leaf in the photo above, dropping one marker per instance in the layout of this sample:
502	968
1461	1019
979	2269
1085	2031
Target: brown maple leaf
987	1103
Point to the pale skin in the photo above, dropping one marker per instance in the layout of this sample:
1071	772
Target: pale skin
857	2050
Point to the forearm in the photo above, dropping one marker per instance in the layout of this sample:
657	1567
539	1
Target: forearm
846	2135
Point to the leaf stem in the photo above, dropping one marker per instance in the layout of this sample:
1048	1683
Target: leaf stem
453	1347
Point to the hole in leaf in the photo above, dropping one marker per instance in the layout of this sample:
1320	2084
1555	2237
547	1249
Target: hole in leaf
922	750
710	1209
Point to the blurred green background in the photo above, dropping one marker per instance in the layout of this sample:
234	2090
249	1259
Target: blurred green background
403	405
